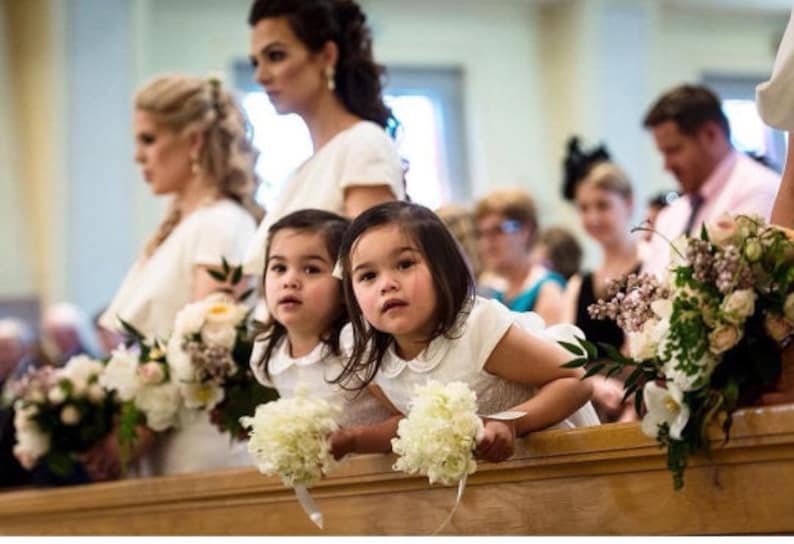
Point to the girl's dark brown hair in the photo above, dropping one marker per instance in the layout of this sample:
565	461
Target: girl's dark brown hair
358	76
452	281
332	227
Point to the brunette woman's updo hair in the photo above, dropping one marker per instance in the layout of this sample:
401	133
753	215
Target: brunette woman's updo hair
577	165
357	77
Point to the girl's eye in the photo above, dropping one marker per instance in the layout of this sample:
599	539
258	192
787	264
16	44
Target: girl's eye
312	270
405	264
277	268
365	276
275	56
147	139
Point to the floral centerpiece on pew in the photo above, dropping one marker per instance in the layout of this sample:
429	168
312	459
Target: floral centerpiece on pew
707	342
209	353
138	373
61	413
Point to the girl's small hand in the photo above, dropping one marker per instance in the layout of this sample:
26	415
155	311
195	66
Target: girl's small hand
497	441
342	441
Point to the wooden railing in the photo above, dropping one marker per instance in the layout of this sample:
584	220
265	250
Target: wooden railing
602	480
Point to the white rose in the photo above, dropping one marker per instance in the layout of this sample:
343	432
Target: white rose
777	327
56	395
747	225
724	231
120	374
160	403
190	319
219	335
151	373
724	338
70	415
788	308
201	395
738	306
95	393
23	416
663	308
678	253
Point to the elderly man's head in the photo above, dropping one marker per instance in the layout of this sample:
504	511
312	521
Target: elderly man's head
16	338
66	331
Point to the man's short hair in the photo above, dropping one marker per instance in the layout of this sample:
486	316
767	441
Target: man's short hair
689	107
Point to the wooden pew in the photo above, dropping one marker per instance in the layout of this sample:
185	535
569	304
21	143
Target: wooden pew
602	480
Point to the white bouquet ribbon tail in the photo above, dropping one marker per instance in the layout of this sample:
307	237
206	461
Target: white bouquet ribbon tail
507	415
461	489
309	506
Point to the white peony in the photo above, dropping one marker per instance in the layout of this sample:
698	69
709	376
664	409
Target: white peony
201	395
223	335
121	374
160	404
95	393
190	319
224	311
30	445
289	437
438	437
179	361
81	370
738	306
664	406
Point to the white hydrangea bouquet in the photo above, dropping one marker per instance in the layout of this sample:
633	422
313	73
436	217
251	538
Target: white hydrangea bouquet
209	353
707	342
289	438
438	437
138	373
60	413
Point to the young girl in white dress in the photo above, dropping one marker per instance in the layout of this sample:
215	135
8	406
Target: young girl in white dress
191	144
305	340
415	318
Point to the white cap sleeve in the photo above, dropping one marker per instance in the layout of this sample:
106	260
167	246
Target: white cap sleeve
372	160
223	231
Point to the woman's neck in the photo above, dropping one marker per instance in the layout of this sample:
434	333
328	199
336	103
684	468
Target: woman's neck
327	118
301	344
517	274
198	192
621	250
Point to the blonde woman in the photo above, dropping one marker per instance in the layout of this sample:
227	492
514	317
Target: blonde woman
604	199
191	145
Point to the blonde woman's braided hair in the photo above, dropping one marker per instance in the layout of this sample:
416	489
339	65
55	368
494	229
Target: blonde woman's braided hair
227	158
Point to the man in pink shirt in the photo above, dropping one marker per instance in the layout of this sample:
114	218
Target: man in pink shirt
693	135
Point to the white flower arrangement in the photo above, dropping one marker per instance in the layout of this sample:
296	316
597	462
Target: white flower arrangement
711	337
289	437
140	378
60	413
201	348
438	437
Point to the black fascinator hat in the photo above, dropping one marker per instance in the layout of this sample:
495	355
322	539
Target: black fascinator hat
577	165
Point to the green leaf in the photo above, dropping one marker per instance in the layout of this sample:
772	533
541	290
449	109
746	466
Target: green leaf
575	363
614	354
595	369
247	293
132	331
592	350
220	276
576	350
225	265
614	370
237	275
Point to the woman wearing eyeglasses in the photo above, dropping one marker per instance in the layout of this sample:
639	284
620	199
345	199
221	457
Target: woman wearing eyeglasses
507	226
